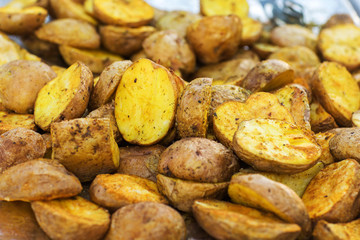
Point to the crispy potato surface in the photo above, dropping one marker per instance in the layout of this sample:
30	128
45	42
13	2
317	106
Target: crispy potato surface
323	139
70	9
10	121
345	144
320	120
337	231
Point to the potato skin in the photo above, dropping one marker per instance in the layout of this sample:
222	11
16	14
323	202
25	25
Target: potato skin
336	231
345	144
147	221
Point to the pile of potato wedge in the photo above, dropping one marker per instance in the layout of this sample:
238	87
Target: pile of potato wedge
122	121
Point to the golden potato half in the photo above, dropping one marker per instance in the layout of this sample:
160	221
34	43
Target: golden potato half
337	231
251	31
224	220
10	121
273	145
224	7
72	219
345	144
70	9
320	119
324	139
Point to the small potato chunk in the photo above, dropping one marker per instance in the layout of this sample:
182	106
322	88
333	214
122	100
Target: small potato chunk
215	38
332	194
162	222
70	9
21	21
268	75
118	190
346	144
129	13
65	97
145	102
337	19
96	60
85	146
170	50
224	220
273	145
124	40
337	231
68	31
323	139
257	191
17	221
229	115
341	43
72	219
30	77
20	145
183	193
320	120
336	91
39	179
140	161
264	50
10	121
224	7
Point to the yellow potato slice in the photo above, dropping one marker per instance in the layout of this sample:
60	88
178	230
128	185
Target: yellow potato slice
145	102
224	7
337	231
130	13
273	145
70	9
73	218
224	220
332	194
341	43
337	91
10	121
320	120
229	115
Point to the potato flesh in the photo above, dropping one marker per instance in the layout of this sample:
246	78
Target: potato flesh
224	7
145	103
337	231
10	121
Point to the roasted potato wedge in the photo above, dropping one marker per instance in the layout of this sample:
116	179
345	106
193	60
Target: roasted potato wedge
224	7
345	144
355	119
332	194
39	179
10	121
323	139
320	120
70	9
273	145
73	218
65	97
337	19
264	50
336	231
162	222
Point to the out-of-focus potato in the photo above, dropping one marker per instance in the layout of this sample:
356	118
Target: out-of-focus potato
341	44
268	75
68	31
20	4
198	159
96	60
170	50
332	194
21	21
251	31
345	144
65	97
162	222
336	91
356	76
130	13
224	7
145	102
193	107
17	221
39	179
337	231
320	120
224	220
124	40
30	77
193	229
273	145
183	193
337	19
20	145
355	118
229	115
10	121
138	55
58	70
215	38
140	161
70	9
73	219
323	139
295	99
118	190
264	50
85	146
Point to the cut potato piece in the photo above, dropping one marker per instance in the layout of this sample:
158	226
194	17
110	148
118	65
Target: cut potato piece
96	60
341	43
264	50
73	219
130	13
118	190
268	75
229	115
337	231
224	7
257	191
332	194
70	9
251	31
40	179
323	139
85	146
338	18
72	32
65	97
224	220
145	102
10	121
336	91
345	144
273	145
183	193
320	120
20	4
